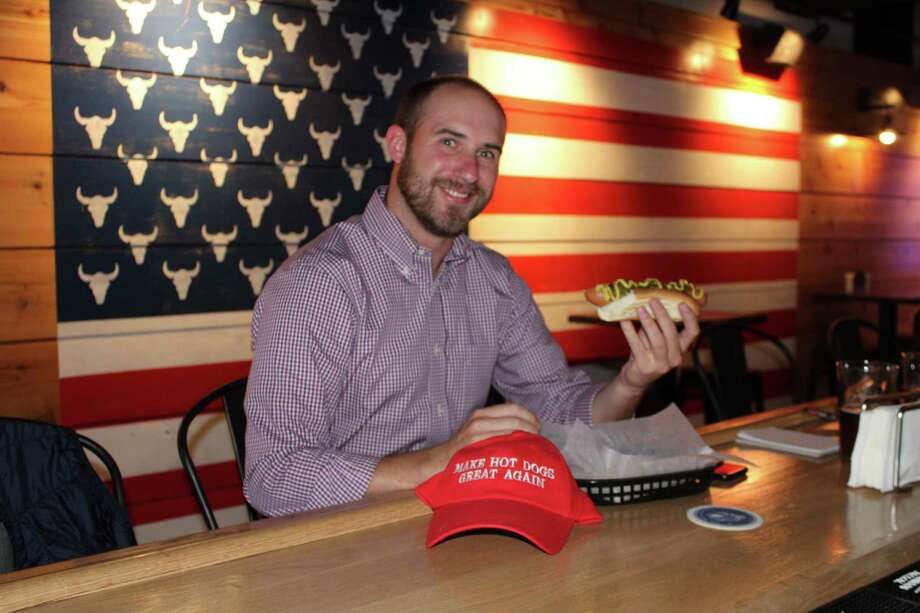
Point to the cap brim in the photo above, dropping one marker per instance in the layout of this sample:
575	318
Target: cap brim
545	529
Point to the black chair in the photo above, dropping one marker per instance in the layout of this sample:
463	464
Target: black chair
231	398
845	337
53	505
730	389
118	484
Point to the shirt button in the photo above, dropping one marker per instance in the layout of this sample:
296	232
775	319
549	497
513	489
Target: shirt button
436	349
439	409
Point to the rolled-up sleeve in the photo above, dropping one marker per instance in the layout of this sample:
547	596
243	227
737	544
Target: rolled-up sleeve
532	369
303	327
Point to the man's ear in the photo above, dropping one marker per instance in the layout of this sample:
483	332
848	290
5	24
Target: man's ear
397	143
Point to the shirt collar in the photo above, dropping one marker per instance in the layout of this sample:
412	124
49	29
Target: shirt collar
396	242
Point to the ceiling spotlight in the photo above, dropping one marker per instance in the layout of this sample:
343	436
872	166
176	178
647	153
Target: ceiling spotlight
768	49
838	140
730	9
887	136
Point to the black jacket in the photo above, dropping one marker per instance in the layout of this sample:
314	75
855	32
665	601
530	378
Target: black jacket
53	504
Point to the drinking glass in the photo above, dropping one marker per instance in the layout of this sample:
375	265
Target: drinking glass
856	381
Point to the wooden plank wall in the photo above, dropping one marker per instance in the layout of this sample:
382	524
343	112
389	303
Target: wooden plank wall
859	206
28	319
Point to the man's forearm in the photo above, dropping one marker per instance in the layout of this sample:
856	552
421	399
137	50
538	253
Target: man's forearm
406	470
616	400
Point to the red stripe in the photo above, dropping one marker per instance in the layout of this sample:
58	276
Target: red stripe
165	495
542	272
112	398
179	507
538	36
607	342
644	129
573	197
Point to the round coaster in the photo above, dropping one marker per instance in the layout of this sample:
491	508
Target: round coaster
724	518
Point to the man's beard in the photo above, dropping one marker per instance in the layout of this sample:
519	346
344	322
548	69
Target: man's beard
420	197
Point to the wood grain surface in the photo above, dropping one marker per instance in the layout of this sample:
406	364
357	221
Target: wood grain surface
29	380
820	540
26	27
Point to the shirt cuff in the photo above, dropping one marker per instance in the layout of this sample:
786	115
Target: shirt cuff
584	401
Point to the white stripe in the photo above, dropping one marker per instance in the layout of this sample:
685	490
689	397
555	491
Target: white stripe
537	78
145	447
509	249
707	231
188	524
118	345
550	157
556	307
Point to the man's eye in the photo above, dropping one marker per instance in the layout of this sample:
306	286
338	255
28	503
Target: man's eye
448	141
488	154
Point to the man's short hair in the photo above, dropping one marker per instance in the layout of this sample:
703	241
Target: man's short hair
412	105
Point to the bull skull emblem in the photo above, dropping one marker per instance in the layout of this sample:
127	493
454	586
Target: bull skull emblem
257	275
325	72
137	88
382	141
178	130
254	64
325	207
137	163
219	241
290	169
290	100
325	140
254	206
218	166
138	242
356	172
416	50
388	80
291	240
444	26
357	106
324	9
98	282
254	6
255	135
289	31
97	205
388	17
218	93
179	205
136	12
217	22
356	41
93	46
95	125
181	278
178	56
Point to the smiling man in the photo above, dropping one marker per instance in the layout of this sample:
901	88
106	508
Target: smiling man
375	346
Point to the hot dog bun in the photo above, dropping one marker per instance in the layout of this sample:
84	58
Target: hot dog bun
622	300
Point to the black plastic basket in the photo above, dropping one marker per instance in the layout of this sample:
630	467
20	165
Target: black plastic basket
643	489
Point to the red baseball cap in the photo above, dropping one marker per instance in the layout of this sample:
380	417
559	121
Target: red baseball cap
517	482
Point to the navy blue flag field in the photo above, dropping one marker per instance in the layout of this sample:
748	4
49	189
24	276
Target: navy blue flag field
198	143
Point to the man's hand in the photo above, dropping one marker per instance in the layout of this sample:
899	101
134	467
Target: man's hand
491	421
655	348
405	471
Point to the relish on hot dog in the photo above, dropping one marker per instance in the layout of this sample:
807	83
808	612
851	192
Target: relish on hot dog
623	298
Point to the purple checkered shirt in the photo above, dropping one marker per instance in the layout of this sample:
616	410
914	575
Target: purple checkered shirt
359	353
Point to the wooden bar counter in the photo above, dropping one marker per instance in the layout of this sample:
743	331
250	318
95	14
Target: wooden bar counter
819	541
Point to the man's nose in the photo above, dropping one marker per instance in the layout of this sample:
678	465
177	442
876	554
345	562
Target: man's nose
466	168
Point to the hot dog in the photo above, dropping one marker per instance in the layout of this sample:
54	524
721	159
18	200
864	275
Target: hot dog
623	298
